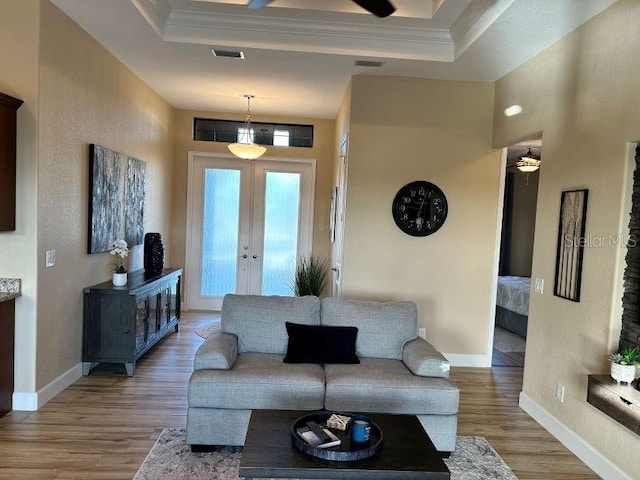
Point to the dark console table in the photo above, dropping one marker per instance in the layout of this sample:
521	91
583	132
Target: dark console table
122	323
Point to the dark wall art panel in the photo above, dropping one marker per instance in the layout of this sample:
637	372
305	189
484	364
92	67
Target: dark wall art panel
630	334
573	214
116	202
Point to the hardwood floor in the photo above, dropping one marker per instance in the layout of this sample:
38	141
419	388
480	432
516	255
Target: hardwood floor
507	359
506	351
103	426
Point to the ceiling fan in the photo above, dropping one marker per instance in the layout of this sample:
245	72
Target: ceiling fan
528	162
380	8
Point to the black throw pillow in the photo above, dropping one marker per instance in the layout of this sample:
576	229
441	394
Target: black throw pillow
321	344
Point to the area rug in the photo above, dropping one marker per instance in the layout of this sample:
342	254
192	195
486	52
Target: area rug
205	330
172	459
504	341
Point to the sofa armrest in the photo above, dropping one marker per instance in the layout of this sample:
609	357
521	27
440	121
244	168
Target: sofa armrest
219	352
423	359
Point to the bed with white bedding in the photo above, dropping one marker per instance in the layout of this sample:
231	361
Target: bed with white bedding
512	303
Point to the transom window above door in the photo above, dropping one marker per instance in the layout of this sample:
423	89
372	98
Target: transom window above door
230	131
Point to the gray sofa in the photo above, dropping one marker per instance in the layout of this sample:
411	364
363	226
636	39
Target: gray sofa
241	368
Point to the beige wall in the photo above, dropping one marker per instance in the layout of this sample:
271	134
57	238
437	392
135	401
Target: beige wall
322	152
82	96
525	193
87	96
343	120
19	40
402	130
582	94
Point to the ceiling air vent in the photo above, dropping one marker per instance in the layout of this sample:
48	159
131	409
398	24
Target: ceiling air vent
368	63
228	53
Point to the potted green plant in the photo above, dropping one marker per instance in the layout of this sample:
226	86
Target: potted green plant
310	276
624	363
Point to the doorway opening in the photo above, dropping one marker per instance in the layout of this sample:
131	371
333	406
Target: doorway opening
248	224
516	251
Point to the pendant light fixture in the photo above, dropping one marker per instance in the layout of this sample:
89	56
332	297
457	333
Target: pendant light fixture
244	147
528	163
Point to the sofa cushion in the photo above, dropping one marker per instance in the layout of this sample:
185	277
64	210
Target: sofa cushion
259	322
383	328
321	344
386	386
259	381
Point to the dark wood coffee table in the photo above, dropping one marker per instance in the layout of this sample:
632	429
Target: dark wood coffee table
407	452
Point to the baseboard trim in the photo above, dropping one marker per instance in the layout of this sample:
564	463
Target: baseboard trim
32	401
25	401
467	360
580	448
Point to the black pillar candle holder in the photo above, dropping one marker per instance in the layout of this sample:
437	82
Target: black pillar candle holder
153	255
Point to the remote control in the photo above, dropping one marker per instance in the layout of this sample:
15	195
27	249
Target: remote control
315	428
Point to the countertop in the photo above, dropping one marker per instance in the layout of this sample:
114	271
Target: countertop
10	288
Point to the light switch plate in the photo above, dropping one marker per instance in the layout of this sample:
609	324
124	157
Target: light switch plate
539	285
422	332
50	258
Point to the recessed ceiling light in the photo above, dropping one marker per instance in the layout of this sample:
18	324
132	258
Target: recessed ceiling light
368	63
512	110
228	53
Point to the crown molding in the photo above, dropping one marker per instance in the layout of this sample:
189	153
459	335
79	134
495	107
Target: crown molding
322	36
474	21
155	12
309	35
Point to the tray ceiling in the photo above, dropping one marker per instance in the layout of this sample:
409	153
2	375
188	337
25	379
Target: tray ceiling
299	58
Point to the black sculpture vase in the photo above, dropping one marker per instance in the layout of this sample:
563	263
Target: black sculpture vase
153	255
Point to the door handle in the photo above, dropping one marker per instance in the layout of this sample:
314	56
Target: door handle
256	256
244	256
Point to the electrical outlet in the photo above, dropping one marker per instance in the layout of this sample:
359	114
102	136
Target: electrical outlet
50	258
560	393
422	332
539	285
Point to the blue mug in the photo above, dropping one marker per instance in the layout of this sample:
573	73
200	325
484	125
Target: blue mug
360	431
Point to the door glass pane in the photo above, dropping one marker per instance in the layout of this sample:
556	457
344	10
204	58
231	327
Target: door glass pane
280	249
220	231
141	319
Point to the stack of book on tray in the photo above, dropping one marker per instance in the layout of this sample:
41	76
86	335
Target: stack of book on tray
317	437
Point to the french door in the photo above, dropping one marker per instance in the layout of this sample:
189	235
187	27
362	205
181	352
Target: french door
248	224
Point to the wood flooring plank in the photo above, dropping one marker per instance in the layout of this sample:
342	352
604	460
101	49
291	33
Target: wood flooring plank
27	474
103	426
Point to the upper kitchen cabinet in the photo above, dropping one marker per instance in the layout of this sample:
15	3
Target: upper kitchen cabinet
8	108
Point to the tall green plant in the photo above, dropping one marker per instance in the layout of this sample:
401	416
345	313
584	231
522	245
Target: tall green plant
310	277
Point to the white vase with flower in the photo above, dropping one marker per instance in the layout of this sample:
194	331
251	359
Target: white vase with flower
120	251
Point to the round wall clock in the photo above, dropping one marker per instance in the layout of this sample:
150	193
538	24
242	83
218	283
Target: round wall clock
419	208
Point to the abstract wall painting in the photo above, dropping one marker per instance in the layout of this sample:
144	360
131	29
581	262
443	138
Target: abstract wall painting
573	214
116	202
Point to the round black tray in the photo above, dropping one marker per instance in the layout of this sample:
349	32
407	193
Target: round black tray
348	450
